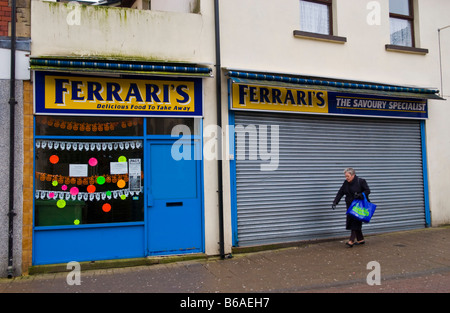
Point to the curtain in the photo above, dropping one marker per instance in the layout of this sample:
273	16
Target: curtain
314	17
401	32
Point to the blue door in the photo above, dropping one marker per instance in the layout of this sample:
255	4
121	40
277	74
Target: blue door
174	210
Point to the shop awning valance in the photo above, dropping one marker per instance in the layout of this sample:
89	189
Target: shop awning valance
333	85
120	67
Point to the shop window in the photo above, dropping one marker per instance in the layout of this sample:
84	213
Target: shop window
88	180
165	126
88	126
315	16
184	6
401	16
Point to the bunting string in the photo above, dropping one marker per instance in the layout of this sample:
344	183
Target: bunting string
70	180
85	196
88	146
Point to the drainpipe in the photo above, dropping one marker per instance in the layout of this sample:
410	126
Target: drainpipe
12	103
219	123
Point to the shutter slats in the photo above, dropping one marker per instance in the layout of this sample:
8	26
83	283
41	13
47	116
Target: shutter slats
294	202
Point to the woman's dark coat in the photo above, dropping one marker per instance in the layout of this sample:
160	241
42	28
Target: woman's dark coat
356	186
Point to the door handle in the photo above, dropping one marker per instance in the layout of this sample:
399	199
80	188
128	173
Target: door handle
171	204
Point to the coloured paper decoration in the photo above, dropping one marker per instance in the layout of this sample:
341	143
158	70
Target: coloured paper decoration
76	222
101	180
106	207
74	194
54	183
122	159
64	187
74	191
94	127
91	189
54	159
72	180
123	197
61	203
88	146
121	183
93	162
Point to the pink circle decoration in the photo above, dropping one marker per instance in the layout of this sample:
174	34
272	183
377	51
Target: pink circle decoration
74	191
51	195
93	162
64	187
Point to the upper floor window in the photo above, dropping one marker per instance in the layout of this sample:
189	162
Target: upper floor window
316	16
184	6
401	15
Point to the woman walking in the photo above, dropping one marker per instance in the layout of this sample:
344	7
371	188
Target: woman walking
352	188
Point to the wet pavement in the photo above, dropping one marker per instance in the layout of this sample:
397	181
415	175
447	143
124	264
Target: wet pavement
407	261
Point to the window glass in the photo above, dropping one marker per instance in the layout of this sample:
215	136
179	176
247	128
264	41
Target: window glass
88	126
164	126
88	181
184	6
401	32
314	17
399	7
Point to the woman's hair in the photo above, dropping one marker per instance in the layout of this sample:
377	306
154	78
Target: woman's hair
349	170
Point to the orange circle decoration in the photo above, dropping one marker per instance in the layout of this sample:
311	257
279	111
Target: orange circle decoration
54	159
121	183
106	207
91	188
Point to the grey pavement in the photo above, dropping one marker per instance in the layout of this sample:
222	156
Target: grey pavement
409	261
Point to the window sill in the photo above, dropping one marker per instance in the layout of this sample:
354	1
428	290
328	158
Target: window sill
321	37
403	49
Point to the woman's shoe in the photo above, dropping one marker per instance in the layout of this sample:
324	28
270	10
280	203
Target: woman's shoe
361	242
350	245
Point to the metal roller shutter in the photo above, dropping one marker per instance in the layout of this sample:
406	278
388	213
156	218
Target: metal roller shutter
294	202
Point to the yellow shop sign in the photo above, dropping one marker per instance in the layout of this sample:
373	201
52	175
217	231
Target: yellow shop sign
117	96
285	99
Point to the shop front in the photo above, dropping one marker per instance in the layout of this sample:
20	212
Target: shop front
116	166
293	139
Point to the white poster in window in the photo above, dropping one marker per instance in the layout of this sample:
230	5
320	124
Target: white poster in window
118	168
134	174
78	170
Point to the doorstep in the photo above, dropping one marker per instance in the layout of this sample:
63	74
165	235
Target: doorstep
119	263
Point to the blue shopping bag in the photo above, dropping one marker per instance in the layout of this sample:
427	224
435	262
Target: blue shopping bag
362	209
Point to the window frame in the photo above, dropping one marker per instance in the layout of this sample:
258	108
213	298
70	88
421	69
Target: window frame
331	38
409	18
329	4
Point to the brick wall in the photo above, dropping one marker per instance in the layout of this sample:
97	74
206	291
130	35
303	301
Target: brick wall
23	18
5	17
